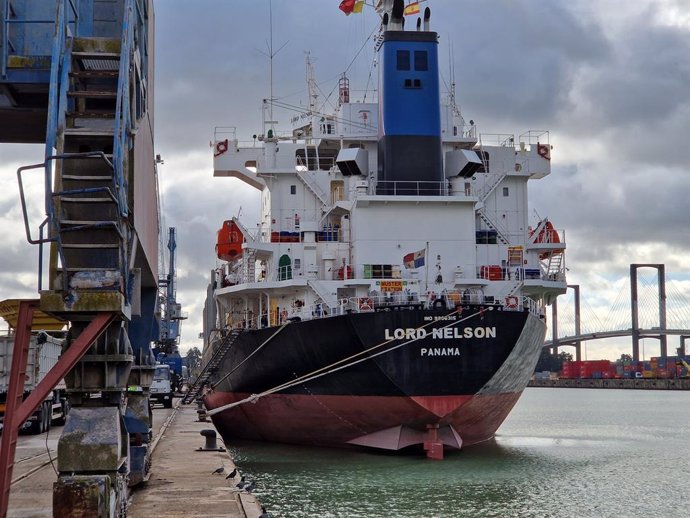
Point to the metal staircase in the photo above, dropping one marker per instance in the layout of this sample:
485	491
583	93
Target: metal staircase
323	293
211	367
499	178
89	220
500	232
313	186
554	266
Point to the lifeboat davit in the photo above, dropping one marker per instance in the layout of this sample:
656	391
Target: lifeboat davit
229	241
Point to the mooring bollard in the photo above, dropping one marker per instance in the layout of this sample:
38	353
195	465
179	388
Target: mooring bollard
200	410
211	444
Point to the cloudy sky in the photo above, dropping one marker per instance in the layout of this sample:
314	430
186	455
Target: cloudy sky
610	79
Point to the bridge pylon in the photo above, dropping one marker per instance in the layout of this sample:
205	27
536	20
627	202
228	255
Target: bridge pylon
554	324
636	333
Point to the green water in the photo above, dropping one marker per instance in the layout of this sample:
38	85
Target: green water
561	453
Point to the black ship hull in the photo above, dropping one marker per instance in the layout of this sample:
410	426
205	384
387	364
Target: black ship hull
386	379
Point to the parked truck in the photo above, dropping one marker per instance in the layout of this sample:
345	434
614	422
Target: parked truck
44	351
162	386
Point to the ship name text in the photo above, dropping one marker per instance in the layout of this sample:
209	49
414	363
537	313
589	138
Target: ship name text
444	333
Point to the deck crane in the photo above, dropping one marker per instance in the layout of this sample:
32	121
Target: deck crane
78	76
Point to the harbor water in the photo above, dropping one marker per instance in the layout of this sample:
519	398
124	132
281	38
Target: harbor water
561	453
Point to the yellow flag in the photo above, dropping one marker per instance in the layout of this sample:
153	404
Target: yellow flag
358	7
411	9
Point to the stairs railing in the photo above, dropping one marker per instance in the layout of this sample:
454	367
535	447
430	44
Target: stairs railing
501	232
313	187
211	367
483	195
64	97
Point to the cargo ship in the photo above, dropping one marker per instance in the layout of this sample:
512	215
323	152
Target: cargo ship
392	294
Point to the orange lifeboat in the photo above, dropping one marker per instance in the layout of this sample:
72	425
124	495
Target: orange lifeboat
229	241
548	234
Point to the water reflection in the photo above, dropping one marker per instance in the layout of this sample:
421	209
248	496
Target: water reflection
567	462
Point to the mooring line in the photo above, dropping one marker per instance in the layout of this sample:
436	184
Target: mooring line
330	369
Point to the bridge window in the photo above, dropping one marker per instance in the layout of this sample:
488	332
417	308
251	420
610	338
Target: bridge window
421	61
403	60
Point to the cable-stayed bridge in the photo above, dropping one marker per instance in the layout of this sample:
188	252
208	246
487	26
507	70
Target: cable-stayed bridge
645	306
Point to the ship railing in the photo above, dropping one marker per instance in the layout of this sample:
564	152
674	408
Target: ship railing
508	273
449	300
408	188
224	132
533	137
312	162
497	139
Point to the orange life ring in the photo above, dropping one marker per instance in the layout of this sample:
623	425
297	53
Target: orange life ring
365	304
511	302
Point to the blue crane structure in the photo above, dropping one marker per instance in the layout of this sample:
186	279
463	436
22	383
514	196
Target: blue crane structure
166	348
77	75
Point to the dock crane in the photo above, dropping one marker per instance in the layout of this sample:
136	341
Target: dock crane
166	347
77	76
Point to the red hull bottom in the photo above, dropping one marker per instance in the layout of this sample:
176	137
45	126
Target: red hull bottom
380	422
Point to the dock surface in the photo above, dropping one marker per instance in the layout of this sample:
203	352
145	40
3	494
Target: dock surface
183	482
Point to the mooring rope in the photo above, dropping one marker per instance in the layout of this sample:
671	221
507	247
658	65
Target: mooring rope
252	354
337	366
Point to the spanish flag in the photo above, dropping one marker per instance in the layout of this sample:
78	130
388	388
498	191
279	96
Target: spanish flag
411	9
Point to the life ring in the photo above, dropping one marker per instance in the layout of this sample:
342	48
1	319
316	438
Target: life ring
221	147
439	304
365	304
283	315
344	301
511	302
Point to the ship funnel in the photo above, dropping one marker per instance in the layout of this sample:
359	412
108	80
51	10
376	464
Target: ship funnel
410	157
427	16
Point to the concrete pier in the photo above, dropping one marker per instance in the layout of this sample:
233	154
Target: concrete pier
181	482
183	479
639	383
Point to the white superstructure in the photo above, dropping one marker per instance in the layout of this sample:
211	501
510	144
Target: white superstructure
329	242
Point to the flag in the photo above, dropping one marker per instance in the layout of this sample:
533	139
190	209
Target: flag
414	259
358	7
347	6
411	9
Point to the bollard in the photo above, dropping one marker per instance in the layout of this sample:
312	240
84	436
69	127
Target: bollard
200	411
211	444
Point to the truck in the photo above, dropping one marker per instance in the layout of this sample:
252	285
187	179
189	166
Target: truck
162	385
44	352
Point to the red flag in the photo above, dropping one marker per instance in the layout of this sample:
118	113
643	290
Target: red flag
347	6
